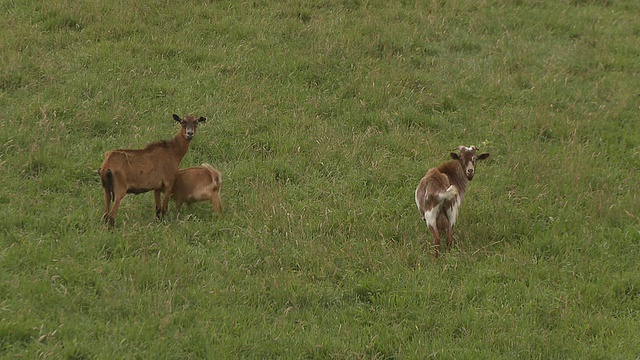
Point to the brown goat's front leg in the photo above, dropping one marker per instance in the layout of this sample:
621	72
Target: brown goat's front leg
156	195
165	205
436	240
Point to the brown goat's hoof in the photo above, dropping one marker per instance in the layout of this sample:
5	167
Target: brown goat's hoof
108	220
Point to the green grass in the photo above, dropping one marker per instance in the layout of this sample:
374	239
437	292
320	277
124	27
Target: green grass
322	118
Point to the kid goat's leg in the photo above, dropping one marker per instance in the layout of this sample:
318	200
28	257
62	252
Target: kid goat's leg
178	206
215	200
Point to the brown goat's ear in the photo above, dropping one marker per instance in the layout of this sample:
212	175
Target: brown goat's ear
455	156
202	119
177	118
483	156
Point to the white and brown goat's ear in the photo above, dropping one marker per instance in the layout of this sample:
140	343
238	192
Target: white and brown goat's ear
455	156
483	156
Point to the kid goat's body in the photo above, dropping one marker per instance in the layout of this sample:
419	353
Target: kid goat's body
199	183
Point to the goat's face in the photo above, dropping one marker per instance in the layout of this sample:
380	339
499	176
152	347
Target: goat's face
468	159
189	124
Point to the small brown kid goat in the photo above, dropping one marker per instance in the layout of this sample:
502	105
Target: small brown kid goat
199	183
442	190
153	168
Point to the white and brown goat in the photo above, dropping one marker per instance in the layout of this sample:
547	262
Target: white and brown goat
442	190
199	183
153	168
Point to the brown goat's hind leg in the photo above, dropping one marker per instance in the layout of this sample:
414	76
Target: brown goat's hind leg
114	210
156	196
165	204
449	236
107	203
436	240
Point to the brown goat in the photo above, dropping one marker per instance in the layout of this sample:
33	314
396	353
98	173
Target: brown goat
442	190
199	183
153	168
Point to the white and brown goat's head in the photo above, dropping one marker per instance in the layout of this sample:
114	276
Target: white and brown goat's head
468	159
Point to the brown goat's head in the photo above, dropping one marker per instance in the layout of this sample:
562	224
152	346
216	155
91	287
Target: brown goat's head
468	158
189	124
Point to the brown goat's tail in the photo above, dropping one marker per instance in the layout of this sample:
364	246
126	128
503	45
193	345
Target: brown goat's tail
215	174
107	181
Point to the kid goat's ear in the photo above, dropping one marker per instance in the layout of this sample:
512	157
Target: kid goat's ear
202	119
176	118
455	156
483	156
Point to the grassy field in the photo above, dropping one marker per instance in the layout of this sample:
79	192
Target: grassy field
322	117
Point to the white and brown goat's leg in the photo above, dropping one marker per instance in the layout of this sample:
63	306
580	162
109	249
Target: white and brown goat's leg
436	240
431	218
449	236
452	215
443	225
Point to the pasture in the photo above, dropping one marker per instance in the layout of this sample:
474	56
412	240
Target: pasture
322	116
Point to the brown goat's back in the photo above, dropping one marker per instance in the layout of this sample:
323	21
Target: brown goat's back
140	171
